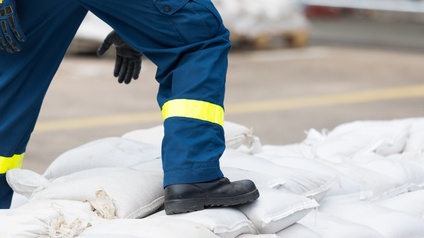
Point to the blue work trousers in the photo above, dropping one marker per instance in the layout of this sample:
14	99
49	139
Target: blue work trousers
185	39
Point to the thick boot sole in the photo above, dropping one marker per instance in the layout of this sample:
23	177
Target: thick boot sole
177	206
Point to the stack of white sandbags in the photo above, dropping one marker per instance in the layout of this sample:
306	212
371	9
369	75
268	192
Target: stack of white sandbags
380	169
114	185
247	18
251	18
362	179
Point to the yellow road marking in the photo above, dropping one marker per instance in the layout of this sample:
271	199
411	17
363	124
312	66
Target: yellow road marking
415	91
329	100
90	122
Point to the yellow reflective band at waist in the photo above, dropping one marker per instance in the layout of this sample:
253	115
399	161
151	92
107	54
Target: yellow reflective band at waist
1	1
8	163
193	109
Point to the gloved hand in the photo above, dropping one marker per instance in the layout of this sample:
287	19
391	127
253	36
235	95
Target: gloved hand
128	60
11	34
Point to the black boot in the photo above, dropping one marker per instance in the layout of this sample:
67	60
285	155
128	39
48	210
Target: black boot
181	198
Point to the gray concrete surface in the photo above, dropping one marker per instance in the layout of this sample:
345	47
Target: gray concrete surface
279	93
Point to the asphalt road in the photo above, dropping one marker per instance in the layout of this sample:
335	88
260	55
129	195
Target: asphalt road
279	93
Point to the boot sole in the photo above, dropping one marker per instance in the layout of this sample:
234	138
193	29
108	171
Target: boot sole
178	206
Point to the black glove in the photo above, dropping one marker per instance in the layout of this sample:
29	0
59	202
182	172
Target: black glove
11	33
128	60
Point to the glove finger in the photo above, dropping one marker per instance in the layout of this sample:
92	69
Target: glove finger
123	72
118	65
130	72
103	48
137	68
108	41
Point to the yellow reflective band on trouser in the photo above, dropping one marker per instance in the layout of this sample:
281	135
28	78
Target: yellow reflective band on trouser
8	163
193	109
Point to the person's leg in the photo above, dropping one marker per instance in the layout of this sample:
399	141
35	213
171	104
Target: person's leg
189	45
49	26
188	42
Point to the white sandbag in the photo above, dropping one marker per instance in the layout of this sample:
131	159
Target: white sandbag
103	235
394	143
130	193
275	209
342	185
374	186
411	203
390	223
410	176
151	165
157	227
18	200
296	162
107	152
47	218
411	157
311	184
297	150
415	141
251	145
329	226
347	140
240	137
297	230
260	179
152	136
224	222
236	137
25	182
258	236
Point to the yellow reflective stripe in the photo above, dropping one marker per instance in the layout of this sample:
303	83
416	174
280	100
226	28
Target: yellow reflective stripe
193	109
7	163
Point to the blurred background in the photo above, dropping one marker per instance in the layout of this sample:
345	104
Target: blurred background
294	65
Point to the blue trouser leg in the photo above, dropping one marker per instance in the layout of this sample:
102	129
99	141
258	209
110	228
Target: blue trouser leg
5	193
189	44
25	76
